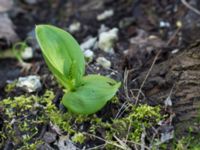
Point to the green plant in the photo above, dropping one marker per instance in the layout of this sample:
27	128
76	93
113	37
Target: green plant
83	94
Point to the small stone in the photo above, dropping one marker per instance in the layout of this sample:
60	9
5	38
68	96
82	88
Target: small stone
168	101
30	83
88	44
164	24
65	144
106	14
27	53
74	27
179	24
167	134
49	137
104	62
175	51
89	55
107	39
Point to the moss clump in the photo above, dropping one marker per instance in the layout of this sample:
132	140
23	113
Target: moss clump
9	87
21	119
131	126
24	116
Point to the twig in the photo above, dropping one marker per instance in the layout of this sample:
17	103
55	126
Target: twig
96	147
125	83
122	143
190	7
106	142
143	139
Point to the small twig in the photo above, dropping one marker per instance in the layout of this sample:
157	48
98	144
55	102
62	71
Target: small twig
125	83
96	147
143	139
190	7
129	128
122	143
119	113
106	142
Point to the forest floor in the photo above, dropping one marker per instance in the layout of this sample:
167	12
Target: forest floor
145	39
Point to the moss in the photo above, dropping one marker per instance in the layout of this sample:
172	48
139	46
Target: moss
9	87
25	115
78	138
189	142
22	119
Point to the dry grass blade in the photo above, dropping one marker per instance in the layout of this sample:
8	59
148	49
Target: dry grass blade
106	142
190	7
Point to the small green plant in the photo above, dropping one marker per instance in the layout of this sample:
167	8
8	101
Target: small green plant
63	55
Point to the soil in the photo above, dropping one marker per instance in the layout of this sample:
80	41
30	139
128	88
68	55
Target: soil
175	74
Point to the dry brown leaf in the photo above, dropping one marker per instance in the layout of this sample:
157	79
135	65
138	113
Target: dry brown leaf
6	28
5	5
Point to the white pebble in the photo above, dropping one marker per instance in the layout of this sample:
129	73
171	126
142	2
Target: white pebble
164	24
104	62
30	83
88	44
175	51
27	53
168	101
106	14
74	27
89	55
107	39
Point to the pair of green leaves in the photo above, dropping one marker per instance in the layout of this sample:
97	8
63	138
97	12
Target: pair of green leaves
63	55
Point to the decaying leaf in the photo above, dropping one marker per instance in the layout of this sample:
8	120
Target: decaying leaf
5	5
7	29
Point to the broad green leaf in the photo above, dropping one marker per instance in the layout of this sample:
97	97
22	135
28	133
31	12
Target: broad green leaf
94	93
62	54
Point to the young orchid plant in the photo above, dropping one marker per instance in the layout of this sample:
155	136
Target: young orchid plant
84	94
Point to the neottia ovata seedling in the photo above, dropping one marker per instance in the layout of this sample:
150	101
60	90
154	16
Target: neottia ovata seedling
84	94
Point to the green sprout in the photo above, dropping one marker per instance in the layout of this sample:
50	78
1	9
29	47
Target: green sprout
63	55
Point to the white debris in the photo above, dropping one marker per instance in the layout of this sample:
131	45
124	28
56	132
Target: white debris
106	14
65	144
167	136
168	101
74	27
30	83
104	62
107	39
89	55
179	24
27	53
88	44
164	24
175	51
